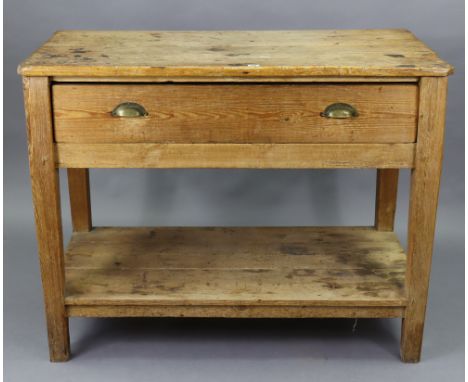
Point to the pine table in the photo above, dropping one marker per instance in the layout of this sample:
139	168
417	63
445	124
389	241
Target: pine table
311	99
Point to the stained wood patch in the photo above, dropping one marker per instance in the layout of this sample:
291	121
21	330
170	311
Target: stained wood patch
235	266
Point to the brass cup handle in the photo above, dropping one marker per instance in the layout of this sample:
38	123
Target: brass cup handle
129	110
339	111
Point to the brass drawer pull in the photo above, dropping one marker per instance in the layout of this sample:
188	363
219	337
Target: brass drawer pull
339	111
129	110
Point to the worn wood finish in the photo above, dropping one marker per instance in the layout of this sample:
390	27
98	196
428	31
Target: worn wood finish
242	311
154	155
390	52
235	266
386	198
226	113
80	199
425	179
46	200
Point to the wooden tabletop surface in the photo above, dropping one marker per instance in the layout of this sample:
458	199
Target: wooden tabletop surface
388	52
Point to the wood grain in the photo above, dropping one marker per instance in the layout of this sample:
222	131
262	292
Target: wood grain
264	311
235	266
80	199
226	113
386	52
386	199
154	155
425	180
46	200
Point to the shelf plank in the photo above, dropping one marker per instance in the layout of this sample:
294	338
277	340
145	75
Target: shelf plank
239	311
295	266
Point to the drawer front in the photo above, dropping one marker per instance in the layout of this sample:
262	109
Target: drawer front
228	113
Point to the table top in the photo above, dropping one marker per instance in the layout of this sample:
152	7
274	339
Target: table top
291	53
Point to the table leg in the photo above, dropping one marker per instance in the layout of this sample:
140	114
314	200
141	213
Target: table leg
425	178
386	198
80	201
46	199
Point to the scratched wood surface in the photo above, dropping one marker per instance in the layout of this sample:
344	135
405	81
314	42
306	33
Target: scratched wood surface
389	52
242	113
235	266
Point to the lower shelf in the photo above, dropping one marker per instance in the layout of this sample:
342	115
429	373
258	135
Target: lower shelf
235	272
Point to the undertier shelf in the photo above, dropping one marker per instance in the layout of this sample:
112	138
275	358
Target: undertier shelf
235	272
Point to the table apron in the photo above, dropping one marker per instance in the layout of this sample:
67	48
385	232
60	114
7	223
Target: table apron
153	155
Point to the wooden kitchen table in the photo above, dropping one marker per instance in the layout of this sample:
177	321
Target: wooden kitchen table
235	99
